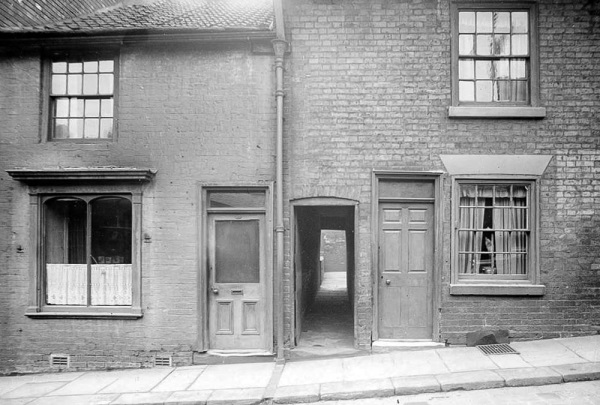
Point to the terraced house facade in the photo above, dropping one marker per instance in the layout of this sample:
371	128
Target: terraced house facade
169	169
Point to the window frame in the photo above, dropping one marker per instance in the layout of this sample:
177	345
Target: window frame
532	108
47	97
495	284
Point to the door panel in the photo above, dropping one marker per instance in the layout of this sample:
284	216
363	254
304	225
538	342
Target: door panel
237	282
405	275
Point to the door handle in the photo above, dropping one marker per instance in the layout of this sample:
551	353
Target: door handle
215	290
388	282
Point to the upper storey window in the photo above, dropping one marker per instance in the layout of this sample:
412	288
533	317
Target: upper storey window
82	98
495	60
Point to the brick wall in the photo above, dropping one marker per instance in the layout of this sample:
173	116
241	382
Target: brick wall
368	86
199	115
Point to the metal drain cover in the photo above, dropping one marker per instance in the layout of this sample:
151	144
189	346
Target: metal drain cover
502	348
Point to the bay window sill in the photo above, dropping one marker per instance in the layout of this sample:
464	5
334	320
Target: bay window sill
84	313
496	112
497	289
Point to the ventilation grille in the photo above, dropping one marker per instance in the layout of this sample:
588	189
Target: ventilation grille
502	348
59	360
163	361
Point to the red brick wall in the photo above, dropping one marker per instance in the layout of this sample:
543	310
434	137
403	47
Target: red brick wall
368	86
197	115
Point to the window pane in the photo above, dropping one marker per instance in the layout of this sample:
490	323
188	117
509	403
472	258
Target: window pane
90	67
502	90
501	44
90	84
106	126
62	107
520	22
518	69
484	91
520	44
92	126
59	67
466	69
76	128
484	21
501	69
240	199
74	84
466	91
520	90
483	69
484	45
76	107
92	108
106	109
106	84
466	45
466	22
75	67
65	230
61	129
107	65
59	84
237	252
502	22
111	230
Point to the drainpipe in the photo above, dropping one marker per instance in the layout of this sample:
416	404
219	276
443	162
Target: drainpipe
279	46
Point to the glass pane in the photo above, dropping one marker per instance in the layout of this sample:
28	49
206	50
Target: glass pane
484	21
518	69
520	192
237	251
62	107
502	192
466	45
75	67
76	128
466	22
502	22
92	108
484	45
520	22
92	126
466	91
59	67
483	69
61	129
501	44
74	84
106	109
106	84
106	126
520	90
90	67
484	191
65	229
466	69
520	44
111	230
76	107
520	218
239	199
467	191
502	90
501	69
484	90
59	84
107	65
90	84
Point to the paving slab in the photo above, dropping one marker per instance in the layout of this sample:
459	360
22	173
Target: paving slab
34	390
145	398
87	384
412	363
415	385
465	359
187	397
579	372
311	372
367	367
132	381
509	361
180	379
18	401
587	347
541	353
97	399
357	389
296	394
230	376
520	377
243	396
10	383
470	380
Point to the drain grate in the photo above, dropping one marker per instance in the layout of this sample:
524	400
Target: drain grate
501	348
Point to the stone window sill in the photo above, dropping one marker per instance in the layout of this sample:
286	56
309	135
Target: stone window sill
496	112
497	289
85	313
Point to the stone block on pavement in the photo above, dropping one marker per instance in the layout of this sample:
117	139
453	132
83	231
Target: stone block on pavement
415	385
520	377
470	380
357	389
188	397
242	396
296	394
579	371
145	398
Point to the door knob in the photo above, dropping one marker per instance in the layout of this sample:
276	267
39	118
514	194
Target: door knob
215	290
388	282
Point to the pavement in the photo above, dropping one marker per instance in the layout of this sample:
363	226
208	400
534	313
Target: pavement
537	363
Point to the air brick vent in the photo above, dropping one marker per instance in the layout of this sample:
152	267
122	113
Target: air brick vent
59	360
163	361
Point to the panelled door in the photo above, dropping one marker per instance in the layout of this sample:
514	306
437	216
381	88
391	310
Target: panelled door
405	282
237	282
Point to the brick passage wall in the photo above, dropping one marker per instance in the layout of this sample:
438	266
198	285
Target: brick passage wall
368	86
198	115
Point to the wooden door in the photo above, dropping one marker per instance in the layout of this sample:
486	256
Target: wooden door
237	282
406	235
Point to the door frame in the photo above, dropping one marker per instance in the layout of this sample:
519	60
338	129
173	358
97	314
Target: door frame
203	336
314	202
427	176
